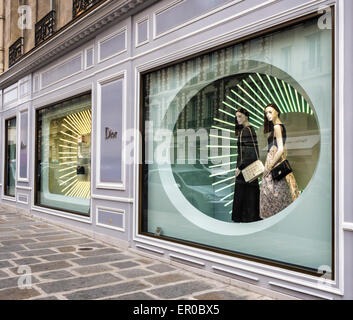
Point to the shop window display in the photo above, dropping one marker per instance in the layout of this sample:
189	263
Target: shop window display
10	160
64	155
190	192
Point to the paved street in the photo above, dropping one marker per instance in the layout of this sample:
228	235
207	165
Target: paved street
69	265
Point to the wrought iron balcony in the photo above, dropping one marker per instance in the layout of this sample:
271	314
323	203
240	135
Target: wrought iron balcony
15	51
80	6
44	28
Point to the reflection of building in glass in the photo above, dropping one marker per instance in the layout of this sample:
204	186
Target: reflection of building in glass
243	57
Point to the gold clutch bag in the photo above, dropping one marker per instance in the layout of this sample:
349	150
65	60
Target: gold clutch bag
253	171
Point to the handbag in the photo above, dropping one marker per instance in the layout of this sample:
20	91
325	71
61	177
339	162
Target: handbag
80	170
281	170
254	170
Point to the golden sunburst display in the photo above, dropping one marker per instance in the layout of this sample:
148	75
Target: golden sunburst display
74	154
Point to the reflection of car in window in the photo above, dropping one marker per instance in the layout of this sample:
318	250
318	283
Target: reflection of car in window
196	186
197	163
202	178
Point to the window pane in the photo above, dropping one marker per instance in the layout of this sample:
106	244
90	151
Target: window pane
64	155
191	190
23	147
10	163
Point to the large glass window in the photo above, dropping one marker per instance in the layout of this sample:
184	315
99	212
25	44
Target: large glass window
64	155
10	157
190	190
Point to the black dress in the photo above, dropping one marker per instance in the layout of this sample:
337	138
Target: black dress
246	195
272	140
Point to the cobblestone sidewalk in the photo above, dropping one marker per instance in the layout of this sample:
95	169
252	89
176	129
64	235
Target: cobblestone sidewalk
68	265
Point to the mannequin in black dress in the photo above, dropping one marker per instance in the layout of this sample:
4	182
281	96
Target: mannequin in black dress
246	195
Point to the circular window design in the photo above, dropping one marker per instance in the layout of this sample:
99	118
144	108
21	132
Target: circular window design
206	175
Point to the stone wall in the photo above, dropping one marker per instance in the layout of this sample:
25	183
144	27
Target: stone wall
63	13
39	8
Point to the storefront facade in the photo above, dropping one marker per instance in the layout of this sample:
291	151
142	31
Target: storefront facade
123	126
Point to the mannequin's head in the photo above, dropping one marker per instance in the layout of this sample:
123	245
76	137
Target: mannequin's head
271	115
242	117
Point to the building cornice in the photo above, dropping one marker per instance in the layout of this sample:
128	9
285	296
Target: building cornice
76	34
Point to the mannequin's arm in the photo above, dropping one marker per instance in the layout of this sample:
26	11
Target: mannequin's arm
280	149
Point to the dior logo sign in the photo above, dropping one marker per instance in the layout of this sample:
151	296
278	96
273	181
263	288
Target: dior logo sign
110	134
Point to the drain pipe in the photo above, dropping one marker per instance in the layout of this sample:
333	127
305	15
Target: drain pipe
2	40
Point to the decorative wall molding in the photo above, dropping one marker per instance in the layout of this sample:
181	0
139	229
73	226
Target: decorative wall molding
203	13
24	188
86	51
113	39
347	226
109	198
67	67
308	292
10	95
62	214
140	246
101	210
6	198
22	198
121	184
187	259
236	273
137	31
